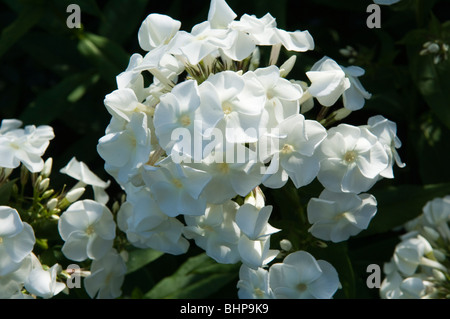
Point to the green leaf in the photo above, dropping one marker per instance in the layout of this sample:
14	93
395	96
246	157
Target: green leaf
399	204
52	103
106	55
138	258
122	19
198	277
28	17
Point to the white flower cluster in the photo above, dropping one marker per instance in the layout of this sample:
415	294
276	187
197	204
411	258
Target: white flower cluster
88	230
87	226
24	146
420	267
299	276
213	126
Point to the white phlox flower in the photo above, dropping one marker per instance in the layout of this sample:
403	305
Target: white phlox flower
253	284
146	226
234	104
157	30
437	215
282	95
12	283
126	151
254	242
414	252
394	286
216	232
177	188
43	283
386	131
81	172
337	216
178	110
301	276
26	146
231	174
330	81
352	159
88	229
263	31
16	240
107	276
354	97
294	157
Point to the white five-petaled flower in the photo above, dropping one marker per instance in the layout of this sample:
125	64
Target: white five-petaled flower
16	240
43	283
177	188
254	242
301	276
352	159
216	232
297	140
253	284
88	229
24	146
329	81
234	104
107	276
386	131
337	216
126	151
147	226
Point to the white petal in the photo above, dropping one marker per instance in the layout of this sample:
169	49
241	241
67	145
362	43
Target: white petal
10	222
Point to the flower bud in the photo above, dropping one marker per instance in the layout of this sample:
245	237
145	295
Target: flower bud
52	203
47	167
285	244
74	194
287	66
48	193
44	184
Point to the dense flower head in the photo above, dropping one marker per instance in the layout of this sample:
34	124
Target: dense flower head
192	148
419	268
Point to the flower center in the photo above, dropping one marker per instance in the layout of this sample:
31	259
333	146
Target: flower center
302	287
14	146
287	149
177	183
227	107
350	157
258	292
185	120
90	230
1	240
224	168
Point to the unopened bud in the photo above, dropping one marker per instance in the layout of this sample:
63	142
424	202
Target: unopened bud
433	48
52	203
75	194
285	244
287	66
438	275
48	193
431	233
44	184
47	167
